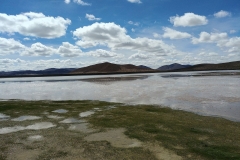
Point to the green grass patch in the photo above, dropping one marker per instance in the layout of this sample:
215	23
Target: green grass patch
185	133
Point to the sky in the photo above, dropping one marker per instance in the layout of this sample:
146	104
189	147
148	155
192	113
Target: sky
41	34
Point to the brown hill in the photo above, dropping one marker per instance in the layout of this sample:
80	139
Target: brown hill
221	66
110	68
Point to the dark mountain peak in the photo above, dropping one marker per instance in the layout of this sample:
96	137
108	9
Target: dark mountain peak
144	67
107	67
173	66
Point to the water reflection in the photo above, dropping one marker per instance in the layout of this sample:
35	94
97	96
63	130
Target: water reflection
110	80
197	74
208	95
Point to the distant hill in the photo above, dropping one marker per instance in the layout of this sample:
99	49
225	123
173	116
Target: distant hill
50	71
173	66
144	67
221	66
110	68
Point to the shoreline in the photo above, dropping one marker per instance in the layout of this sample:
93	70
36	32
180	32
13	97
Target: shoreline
114	73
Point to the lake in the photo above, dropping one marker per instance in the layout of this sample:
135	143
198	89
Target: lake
205	93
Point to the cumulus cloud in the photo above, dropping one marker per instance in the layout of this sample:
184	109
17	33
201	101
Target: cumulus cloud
34	24
102	53
232	45
115	37
101	33
69	50
205	37
134	1
80	2
188	20
222	14
67	1
138	56
10	46
86	44
91	17
173	34
38	49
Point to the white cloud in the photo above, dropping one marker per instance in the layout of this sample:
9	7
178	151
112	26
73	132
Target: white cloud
133	23
67	1
133	30
86	44
26	39
188	20
213	54
101	33
156	35
114	37
138	56
232	45
69	50
205	37
34	24
19	64
10	46
91	17
134	1
80	2
232	31
231	55
8	61
102	53
38	49
173	34
222	14
208	54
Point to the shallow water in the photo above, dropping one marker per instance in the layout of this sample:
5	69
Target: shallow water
36	126
3	116
25	118
198	92
54	117
82	127
35	138
86	114
72	120
60	111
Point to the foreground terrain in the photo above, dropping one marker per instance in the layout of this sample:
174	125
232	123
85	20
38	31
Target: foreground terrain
102	130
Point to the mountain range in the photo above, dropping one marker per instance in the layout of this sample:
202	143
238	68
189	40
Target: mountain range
50	71
206	67
111	68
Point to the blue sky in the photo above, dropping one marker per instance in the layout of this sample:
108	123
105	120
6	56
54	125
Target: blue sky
41	34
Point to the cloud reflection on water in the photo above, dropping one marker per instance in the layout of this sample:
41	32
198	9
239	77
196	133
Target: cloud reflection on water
208	95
